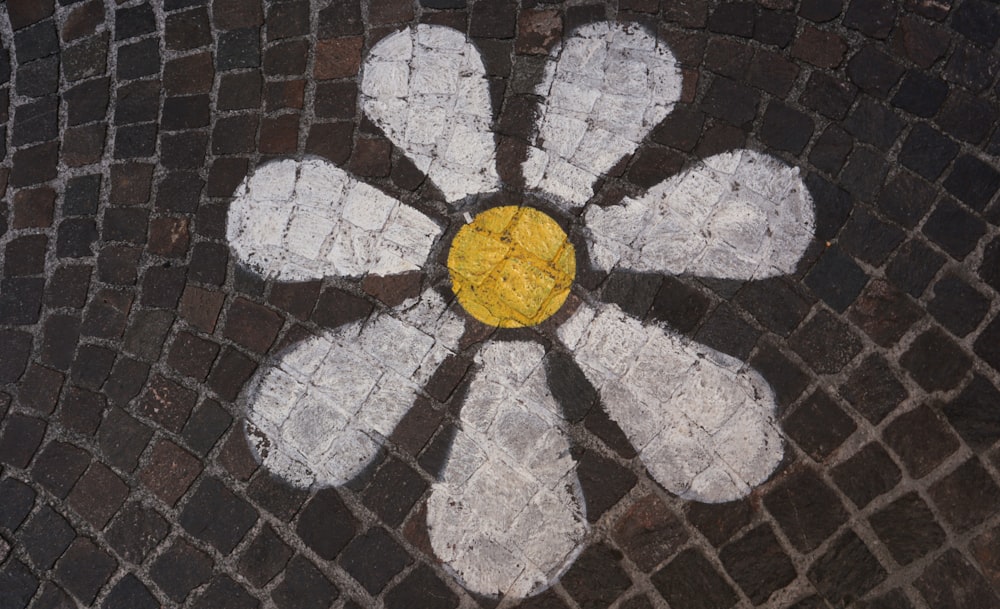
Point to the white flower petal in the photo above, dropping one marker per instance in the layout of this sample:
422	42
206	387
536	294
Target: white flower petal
508	514
738	215
702	421
296	221
426	88
320	412
604	89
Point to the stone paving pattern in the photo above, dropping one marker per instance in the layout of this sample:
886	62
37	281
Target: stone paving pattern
127	332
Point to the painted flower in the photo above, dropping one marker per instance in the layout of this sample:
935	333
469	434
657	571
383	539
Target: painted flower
507	515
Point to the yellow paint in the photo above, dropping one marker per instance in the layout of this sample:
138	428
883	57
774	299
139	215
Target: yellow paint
511	266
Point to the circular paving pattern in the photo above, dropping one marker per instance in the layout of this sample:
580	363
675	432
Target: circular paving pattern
637	304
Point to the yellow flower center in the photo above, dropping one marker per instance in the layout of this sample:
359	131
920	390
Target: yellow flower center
511	266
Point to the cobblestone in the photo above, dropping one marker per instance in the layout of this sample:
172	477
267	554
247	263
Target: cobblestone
46	536
788	378
136	531
971	67
819	426
84	569
951	582
927	151
758	563
314	524
129	593
168	403
913	266
873	389
984	554
825	343
591	569
58	466
934	344
867	474
19	585
691	582
920	440
846	570
170	471
804	498
966	496
98	495
649	532
132	330
217	516
41	388
907	528
954	229
20	498
205	426
605	481
181	569
304	586
122	439
973	182
970	415
81	410
373	559
222	591
53	596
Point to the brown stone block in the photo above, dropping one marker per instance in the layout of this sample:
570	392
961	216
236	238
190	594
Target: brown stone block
338	57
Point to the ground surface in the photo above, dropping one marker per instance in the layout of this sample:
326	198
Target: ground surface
128	330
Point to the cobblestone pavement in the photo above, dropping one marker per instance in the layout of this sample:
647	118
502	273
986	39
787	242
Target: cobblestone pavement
136	341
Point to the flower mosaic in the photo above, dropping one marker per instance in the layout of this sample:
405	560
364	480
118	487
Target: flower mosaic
507	515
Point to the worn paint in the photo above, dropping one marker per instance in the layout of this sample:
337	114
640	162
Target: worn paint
426	88
297	221
511	266
508	515
737	215
604	90
319	414
702	421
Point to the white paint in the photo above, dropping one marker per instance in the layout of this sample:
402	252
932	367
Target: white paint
702	421
296	221
508	515
738	215
605	88
320	412
426	88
